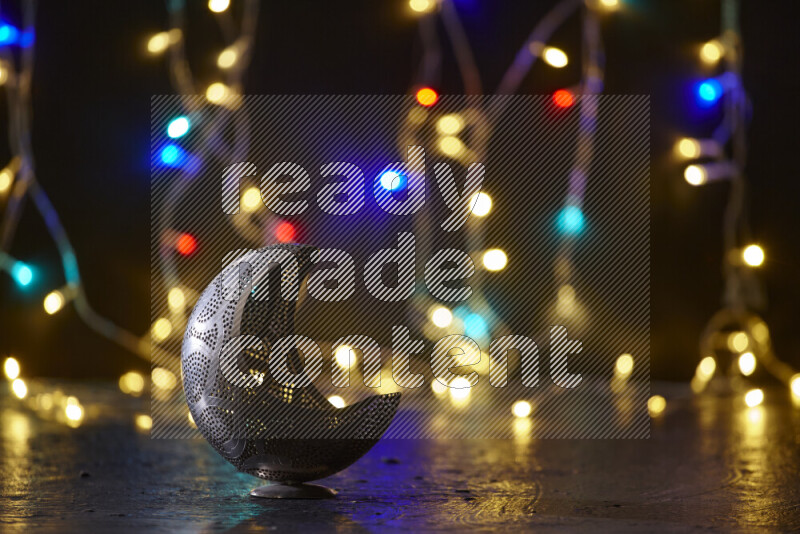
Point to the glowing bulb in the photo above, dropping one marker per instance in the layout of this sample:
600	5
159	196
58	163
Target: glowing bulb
227	58
441	317
738	341
754	397
695	175
688	148
656	405
163	378
186	244
451	145
53	302
144	422
19	388
795	385
427	96
161	329
563	98
495	259
570	220
176	298
481	204
337	401
711	52
392	181
6	177
218	6
521	409
11	368
251	199
706	368
555	57
450	124
624	366
709	91
344	356
753	255
131	383
22	274
173	155
747	363
178	127
158	43
216	92
460	388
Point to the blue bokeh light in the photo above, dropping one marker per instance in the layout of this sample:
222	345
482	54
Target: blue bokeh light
8	34
570	220
392	180
173	156
178	127
22	274
709	92
475	326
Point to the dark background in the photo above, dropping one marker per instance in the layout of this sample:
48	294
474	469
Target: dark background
92	89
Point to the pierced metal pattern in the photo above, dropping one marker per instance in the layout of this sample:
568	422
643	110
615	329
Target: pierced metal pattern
274	431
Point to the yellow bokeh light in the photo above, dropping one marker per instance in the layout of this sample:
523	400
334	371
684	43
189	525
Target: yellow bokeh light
481	204
73	410
144	422
706	368
3	75
158	42
688	148
163	378
53	302
695	175
344	356
421	6
566	294
753	255
555	57
176	299
19	388
6	177
161	329
460	388
760	331
11	368
711	52
227	58
624	365
450	145
131	383
438	387
754	397
441	317
218	6
794	384
337	401
610	4
656	405
495	259
521	409
251	199
738	341
747	363
217	92
450	124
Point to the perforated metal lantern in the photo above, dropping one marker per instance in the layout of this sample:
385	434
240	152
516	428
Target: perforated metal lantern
281	433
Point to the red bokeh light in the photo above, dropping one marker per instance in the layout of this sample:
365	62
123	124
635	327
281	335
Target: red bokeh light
563	98
186	244
427	96
284	232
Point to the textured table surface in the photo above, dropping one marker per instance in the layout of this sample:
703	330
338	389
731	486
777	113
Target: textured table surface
710	463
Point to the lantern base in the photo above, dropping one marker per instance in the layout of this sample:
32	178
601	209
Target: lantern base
277	490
